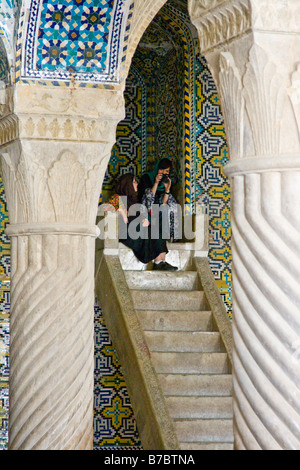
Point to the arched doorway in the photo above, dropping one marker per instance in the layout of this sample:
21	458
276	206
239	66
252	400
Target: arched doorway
173	109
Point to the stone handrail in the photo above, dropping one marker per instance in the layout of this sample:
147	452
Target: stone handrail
215	301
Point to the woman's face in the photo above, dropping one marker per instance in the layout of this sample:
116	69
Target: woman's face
135	185
164	172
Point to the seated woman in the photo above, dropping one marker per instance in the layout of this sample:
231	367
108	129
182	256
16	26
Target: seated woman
155	188
145	247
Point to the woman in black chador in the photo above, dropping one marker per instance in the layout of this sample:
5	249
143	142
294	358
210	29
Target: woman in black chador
135	225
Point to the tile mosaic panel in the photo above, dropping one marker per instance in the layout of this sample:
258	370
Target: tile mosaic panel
4	319
168	129
4	67
81	40
9	16
129	154
212	186
175	16
4	240
4	360
162	58
114	423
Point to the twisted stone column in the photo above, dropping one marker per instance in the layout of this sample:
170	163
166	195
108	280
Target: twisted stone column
51	344
253	50
266	296
52	176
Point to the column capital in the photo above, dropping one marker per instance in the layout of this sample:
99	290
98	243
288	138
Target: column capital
55	150
68	113
259	90
221	21
254	60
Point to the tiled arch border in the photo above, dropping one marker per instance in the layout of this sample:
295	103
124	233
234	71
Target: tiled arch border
177	19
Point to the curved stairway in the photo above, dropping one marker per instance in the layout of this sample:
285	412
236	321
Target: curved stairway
188	355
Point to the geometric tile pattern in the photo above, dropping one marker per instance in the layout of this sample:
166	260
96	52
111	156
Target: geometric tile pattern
114	423
4	319
129	154
9	15
155	60
71	36
176	23
4	239
212	186
4	360
4	67
79	39
178	20
161	73
168	123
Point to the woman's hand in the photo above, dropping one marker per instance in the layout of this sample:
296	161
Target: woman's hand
145	223
158	178
168	185
156	182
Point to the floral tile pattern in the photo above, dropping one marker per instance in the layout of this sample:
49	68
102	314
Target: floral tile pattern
71	35
78	39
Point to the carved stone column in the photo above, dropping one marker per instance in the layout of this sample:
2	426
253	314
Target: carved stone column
253	49
53	175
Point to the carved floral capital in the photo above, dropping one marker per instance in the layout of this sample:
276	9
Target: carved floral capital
219	21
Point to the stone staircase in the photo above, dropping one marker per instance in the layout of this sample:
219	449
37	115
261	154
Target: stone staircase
174	341
188	355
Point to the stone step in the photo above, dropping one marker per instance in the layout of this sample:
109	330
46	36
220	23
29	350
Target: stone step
170	320
204	430
180	255
184	341
196	385
169	300
180	280
206	446
190	363
200	407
